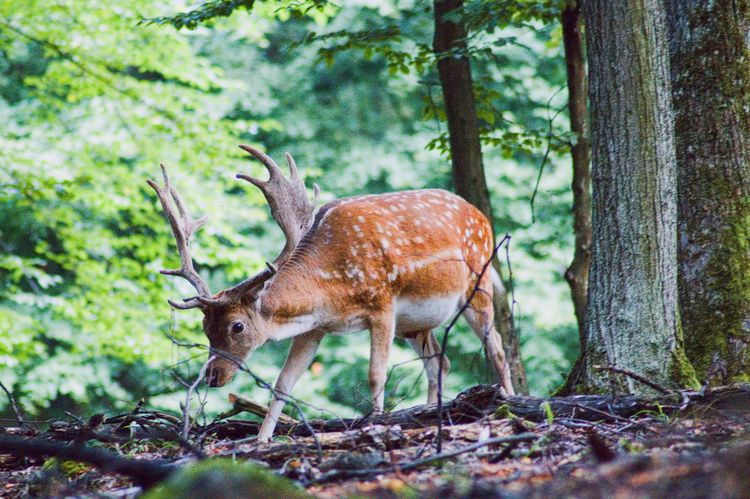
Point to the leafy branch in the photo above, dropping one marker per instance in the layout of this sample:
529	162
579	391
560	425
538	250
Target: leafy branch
205	12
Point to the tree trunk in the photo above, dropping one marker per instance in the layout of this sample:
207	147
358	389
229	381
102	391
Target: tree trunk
632	319
577	274
710	53
469	181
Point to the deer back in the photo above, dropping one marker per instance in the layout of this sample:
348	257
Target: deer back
363	252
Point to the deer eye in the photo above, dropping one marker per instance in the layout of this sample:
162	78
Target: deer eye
237	327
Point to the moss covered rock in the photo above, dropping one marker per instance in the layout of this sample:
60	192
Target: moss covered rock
225	479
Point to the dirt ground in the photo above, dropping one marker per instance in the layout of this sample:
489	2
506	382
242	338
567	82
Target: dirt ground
491	447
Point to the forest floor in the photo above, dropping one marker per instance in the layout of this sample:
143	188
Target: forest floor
686	444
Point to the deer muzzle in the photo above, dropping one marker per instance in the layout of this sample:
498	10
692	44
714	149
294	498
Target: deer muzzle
220	372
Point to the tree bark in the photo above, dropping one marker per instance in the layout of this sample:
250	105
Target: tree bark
632	319
469	181
577	273
710	52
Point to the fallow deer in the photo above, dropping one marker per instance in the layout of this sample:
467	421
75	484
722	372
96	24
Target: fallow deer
398	264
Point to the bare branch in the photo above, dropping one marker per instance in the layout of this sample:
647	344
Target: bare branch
12	400
191	388
444	342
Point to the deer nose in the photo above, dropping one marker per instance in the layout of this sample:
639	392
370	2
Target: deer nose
213	377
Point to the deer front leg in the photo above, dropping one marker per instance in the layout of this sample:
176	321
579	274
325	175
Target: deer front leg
301	353
382	330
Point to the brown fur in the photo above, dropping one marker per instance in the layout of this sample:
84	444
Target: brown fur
360	260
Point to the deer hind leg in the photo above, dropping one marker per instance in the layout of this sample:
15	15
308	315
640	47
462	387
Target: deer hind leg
428	349
301	353
382	331
480	316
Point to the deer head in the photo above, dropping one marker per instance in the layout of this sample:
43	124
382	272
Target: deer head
231	321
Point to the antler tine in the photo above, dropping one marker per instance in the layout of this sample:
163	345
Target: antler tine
252	282
183	226
316	195
273	169
186	304
293	172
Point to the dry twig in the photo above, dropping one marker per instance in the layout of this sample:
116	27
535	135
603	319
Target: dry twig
636	377
191	388
400	468
13	405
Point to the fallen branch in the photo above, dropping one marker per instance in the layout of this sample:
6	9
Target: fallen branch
145	473
637	377
242	404
484	400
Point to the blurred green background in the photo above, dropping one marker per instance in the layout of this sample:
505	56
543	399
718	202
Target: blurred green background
92	100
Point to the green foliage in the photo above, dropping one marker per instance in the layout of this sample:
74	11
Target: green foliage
93	100
548	414
70	469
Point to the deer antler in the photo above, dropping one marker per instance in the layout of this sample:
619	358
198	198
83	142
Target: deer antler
290	208
287	197
183	227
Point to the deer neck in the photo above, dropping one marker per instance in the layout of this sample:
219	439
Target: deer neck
290	304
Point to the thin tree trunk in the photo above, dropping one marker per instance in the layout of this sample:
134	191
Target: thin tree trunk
577	273
466	153
632	319
710	53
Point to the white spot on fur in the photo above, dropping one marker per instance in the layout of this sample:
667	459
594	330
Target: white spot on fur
325	275
392	275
